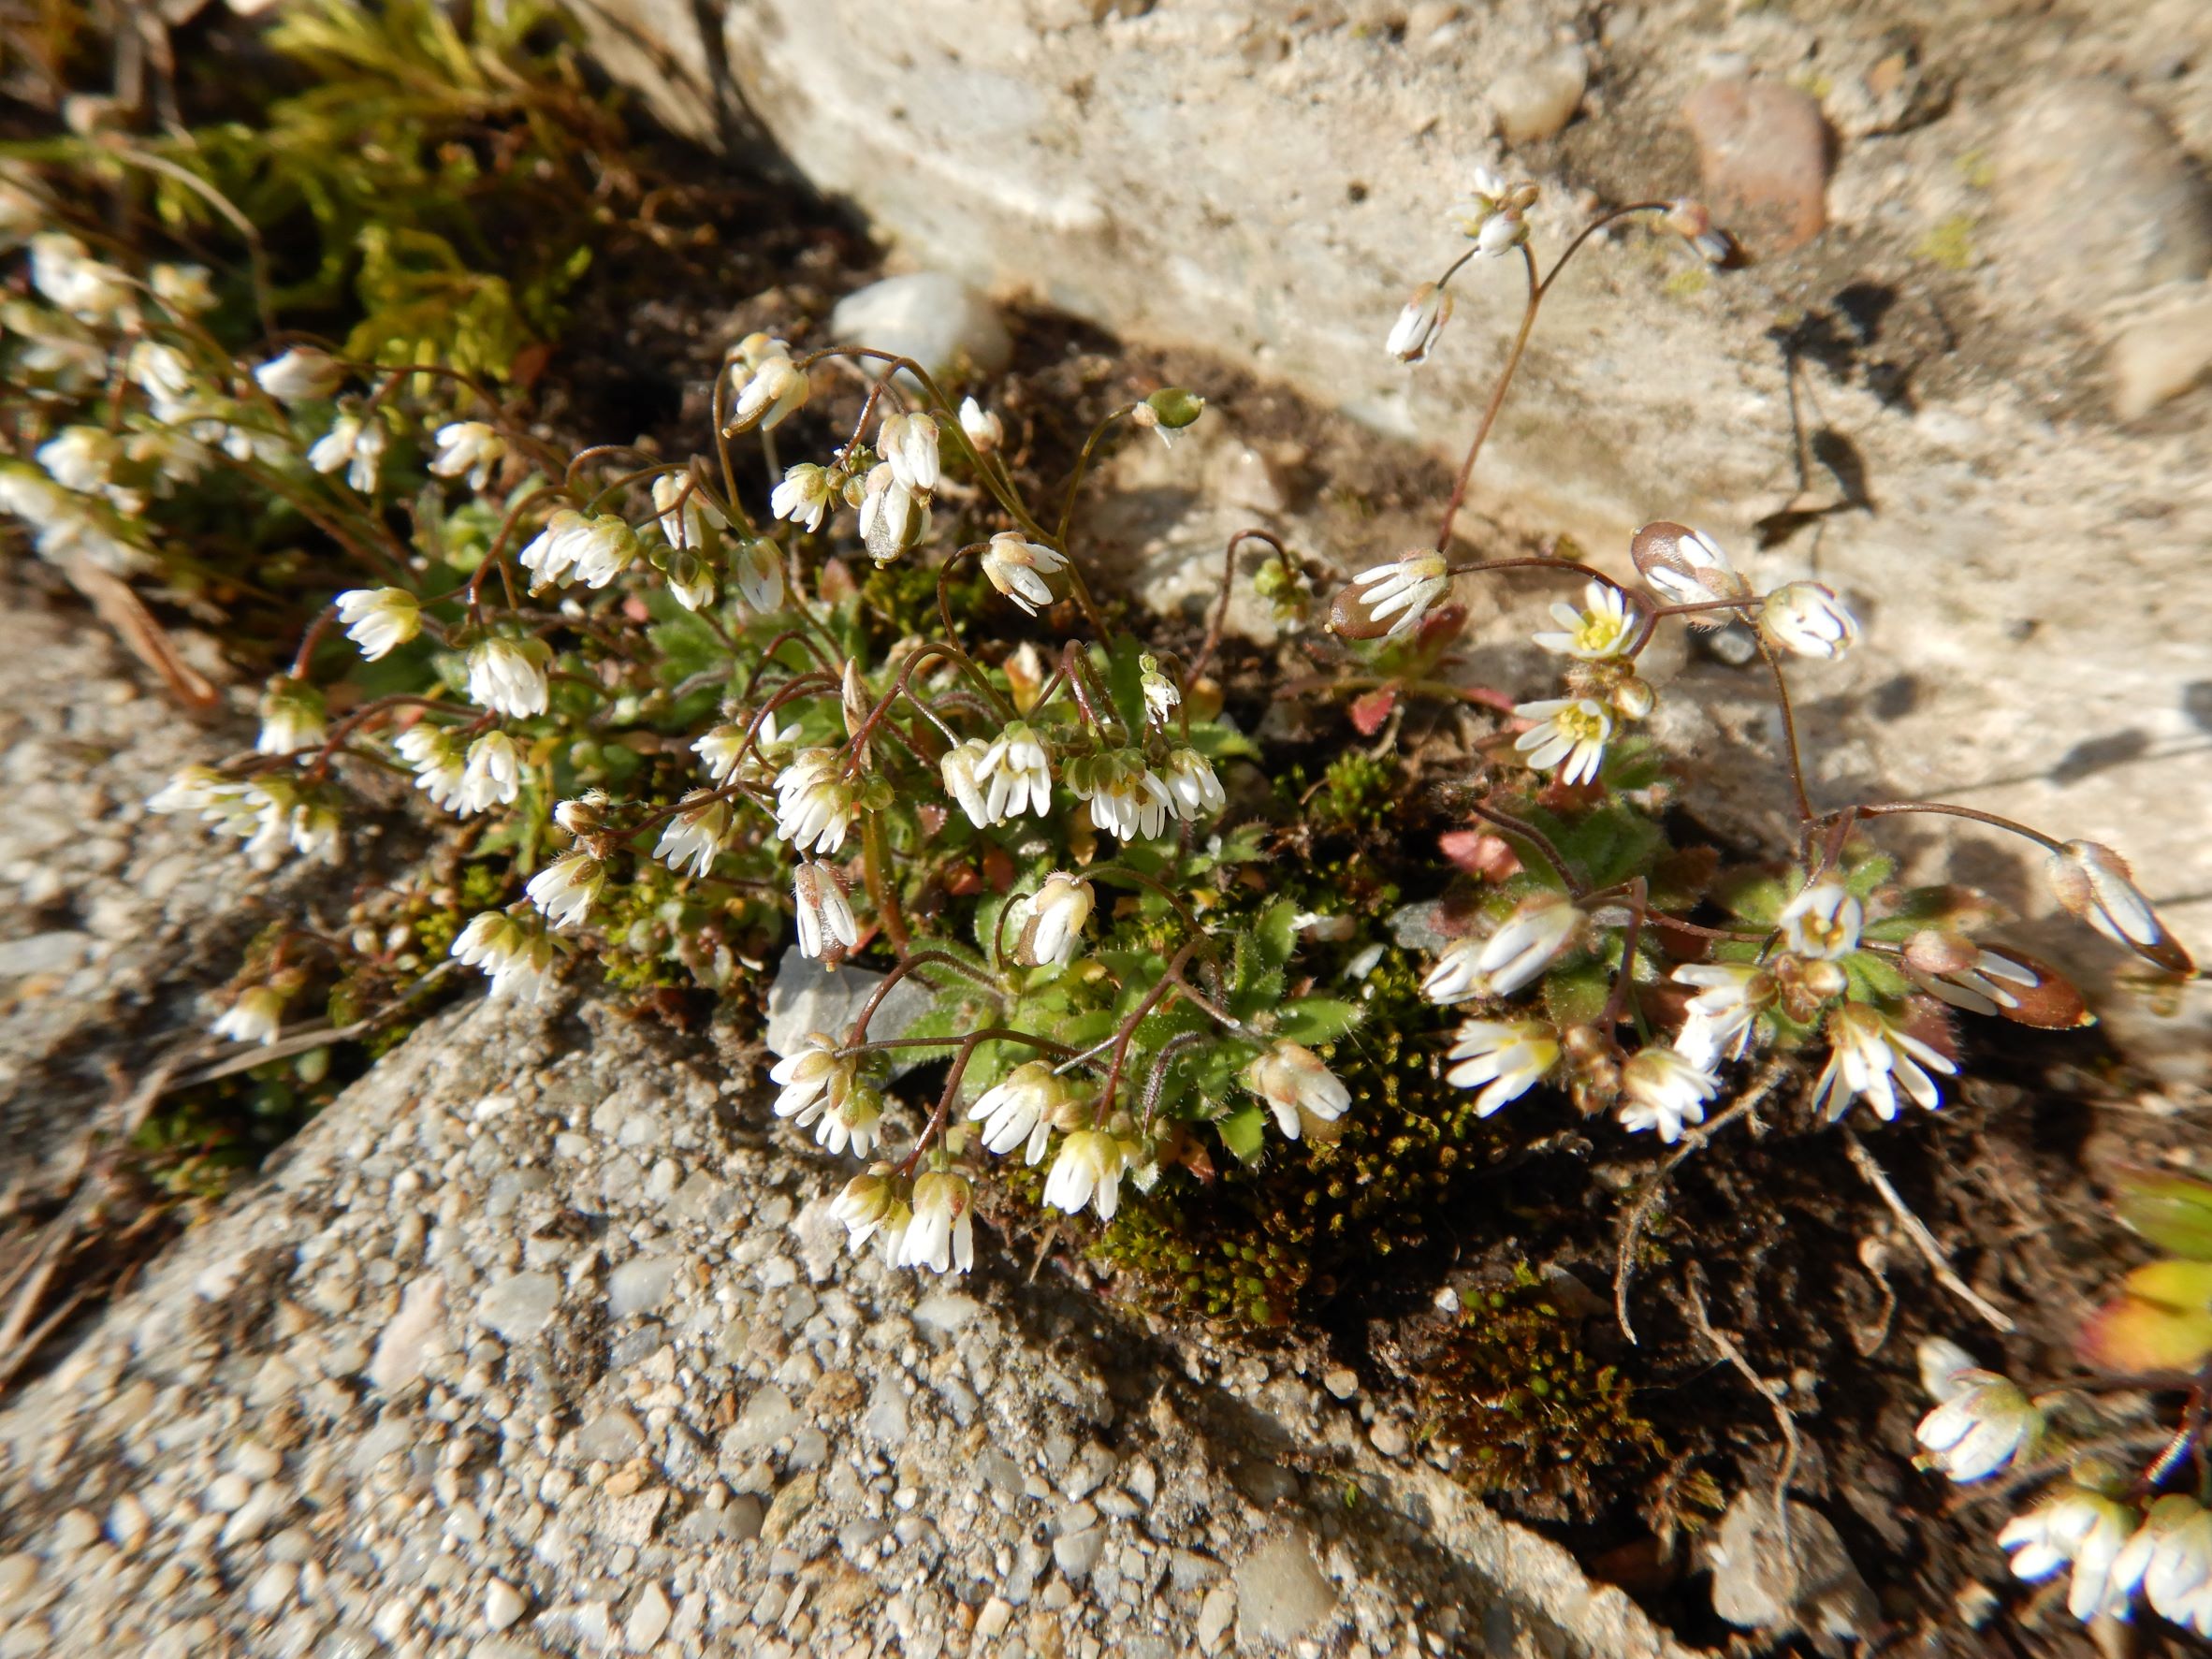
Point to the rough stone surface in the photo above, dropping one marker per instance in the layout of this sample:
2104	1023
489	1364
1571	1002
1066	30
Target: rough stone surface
740	1504
1899	408
1763	160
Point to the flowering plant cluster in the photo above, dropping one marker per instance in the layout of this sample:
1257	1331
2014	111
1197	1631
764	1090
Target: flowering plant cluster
2115	1532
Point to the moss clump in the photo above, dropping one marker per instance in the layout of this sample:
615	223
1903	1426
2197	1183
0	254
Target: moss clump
1530	1410
1950	244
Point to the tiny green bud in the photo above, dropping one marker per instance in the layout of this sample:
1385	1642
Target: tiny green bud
1174	407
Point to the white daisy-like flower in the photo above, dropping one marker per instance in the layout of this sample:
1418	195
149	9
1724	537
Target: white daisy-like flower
357	443
984	430
1015	772
601	549
515	953
1455	976
1570	734
1404	589
165	375
940	1236
2078	1528
1022	1108
492	774
1505	1058
257	1016
909	443
812	1076
438	760
1193	789
805	497
1993	983
2170	1559
469	447
567	888
89	290
1985	1424
1087	1171
824	915
695	836
1822	923
1413	336
1297	1086
1808	619
508	677
379	620
81	459
1018	567
1057	912
300	376
551	555
958	771
194	789
1664	1090
1723	1014
1870	1056
1162	696
815	806
1602	630
869	1203
1132	806
777	390
1535	936
292	717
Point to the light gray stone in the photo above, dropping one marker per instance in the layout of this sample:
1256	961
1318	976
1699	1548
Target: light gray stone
1281	1591
520	1305
931	316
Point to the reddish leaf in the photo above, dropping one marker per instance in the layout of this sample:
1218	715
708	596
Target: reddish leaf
1370	710
998	869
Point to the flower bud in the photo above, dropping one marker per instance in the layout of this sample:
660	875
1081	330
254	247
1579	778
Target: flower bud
2095	885
1419	325
1684	566
1808	619
1176	407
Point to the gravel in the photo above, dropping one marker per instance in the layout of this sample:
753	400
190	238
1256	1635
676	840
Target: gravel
396	1396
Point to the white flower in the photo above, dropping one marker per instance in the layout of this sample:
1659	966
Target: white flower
805	497
63	270
1088	1171
1982	1427
893	517
551	554
777	390
379	619
1685	566
185	289
984	430
355	442
196	789
516	954
1986	987
1162	696
300	376
824	916
1454	976
757	568
438	763
814	805
508	677
869	1204
1296	1085
292	717
1057	912
1406	588
1943	1365
492	774
469	447
1603	628
601	549
257	1016
1018	567
695	836
2081	1527
1132	805
1492	216
1414	334
1021	1109
567	888
685	526
164	373
909	443
2170	1558
958	770
81	459
1822	923
723	746
1663	1090
1808	619
1193	791
2096	886
1570	734
1015	771
1726	1011
1870	1055
940	1236
1506	1058
813	1075
1533	938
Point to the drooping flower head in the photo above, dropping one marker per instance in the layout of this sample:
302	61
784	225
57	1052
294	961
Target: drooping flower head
1297	1086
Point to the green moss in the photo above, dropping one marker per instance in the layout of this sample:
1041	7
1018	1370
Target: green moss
1950	244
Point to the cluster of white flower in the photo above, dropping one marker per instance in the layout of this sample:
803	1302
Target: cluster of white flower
2093	1526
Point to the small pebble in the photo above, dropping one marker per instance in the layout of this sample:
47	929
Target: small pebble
272	1588
1763	149
1341	1382
1535	100
502	1604
74	1531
